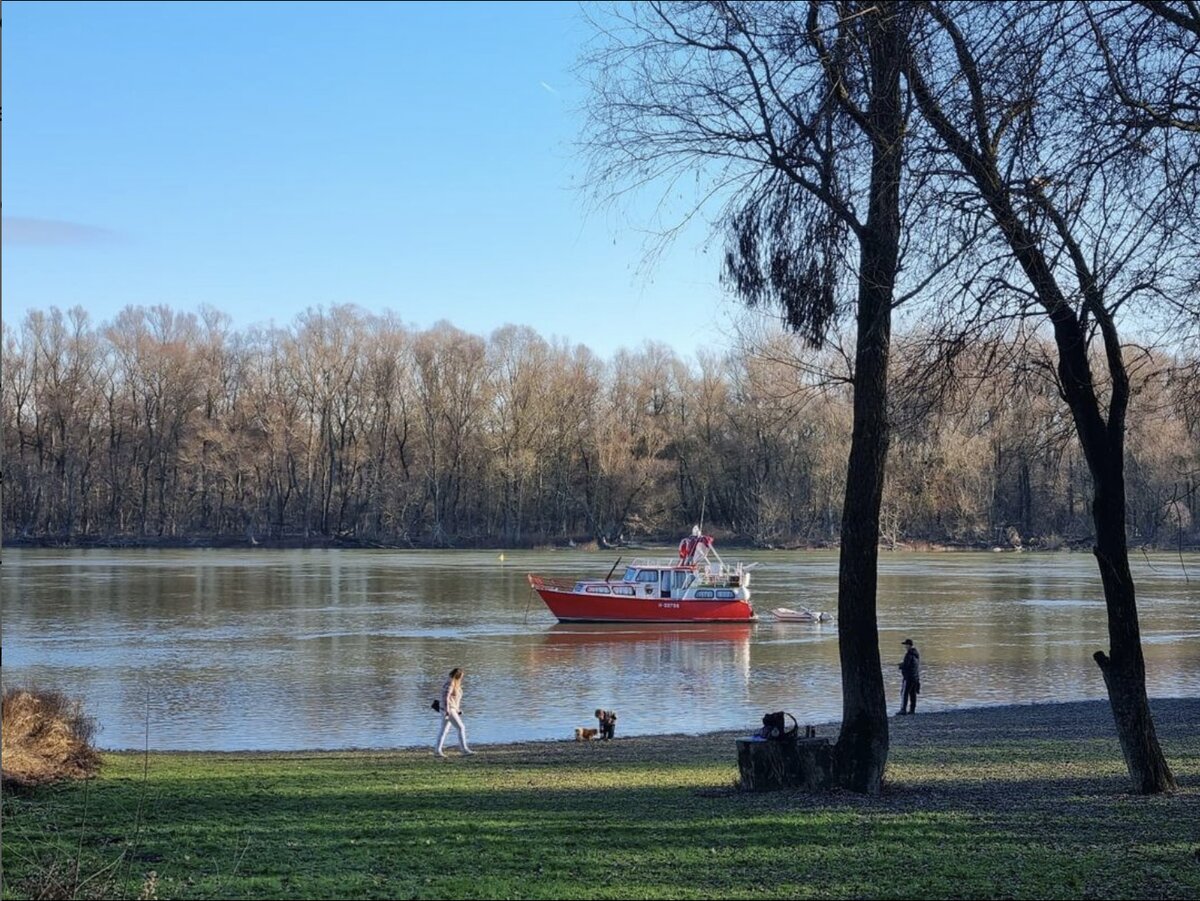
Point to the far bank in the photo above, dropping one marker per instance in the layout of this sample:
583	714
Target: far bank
583	543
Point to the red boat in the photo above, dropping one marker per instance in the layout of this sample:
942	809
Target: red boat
696	587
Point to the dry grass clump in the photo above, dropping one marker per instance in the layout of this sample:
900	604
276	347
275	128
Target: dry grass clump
45	738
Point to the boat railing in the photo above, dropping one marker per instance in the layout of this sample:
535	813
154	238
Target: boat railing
536	581
658	563
708	567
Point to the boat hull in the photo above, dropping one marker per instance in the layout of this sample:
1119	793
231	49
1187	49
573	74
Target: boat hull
574	607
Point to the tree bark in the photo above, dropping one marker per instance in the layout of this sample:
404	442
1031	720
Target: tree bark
862	747
862	744
1125	670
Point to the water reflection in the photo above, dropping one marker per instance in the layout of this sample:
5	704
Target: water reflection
635	668
312	649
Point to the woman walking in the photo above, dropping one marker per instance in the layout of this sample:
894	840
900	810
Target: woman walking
452	713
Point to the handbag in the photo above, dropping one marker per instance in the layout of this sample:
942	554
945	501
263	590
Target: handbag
775	726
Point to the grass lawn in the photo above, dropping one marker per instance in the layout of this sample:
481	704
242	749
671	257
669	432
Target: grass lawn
1007	802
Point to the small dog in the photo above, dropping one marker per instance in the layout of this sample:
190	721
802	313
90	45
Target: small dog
582	734
608	723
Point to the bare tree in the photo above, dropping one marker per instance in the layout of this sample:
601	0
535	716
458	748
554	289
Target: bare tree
1091	219
519	364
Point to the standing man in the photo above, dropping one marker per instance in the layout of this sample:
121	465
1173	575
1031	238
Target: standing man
910	673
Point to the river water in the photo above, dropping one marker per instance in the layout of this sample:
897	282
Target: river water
267	649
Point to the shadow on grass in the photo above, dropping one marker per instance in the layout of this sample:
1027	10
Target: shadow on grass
300	831
608	821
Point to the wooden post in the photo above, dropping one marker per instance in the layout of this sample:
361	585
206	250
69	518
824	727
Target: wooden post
804	763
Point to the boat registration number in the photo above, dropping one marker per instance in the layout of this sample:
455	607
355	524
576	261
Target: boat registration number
669	606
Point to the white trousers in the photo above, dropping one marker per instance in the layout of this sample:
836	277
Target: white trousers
452	718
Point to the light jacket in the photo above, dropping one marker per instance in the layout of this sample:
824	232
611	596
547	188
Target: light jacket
452	696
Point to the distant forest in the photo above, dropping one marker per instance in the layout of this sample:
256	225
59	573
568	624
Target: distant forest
348	427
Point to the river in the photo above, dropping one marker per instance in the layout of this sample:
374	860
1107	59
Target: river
294	649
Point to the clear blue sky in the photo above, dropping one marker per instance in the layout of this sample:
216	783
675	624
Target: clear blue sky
265	158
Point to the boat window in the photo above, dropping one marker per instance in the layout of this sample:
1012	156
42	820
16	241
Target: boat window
630	575
704	594
647	575
597	589
725	594
623	589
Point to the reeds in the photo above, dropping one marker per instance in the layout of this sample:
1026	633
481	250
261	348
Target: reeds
45	738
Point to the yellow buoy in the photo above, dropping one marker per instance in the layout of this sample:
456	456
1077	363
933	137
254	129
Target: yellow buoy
501	558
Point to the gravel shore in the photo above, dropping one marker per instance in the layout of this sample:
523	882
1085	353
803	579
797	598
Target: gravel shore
1175	719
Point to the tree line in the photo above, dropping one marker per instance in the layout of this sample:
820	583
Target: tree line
347	426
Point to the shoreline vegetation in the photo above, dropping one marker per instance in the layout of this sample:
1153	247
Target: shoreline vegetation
654	543
346	428
1022	802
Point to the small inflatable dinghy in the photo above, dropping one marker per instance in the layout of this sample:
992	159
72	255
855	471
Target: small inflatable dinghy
803	615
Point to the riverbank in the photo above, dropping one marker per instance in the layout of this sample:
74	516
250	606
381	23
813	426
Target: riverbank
321	542
1021	802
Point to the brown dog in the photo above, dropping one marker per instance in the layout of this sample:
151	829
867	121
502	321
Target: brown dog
582	734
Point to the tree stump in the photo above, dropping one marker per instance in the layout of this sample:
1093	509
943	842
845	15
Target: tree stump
805	763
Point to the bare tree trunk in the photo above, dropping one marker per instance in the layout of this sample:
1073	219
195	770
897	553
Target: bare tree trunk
1103	444
1125	670
862	745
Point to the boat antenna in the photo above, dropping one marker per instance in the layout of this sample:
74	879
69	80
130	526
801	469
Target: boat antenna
613	570
703	504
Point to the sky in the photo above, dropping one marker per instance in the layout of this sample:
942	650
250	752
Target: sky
268	158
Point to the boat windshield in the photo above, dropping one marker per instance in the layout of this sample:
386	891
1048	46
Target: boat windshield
630	575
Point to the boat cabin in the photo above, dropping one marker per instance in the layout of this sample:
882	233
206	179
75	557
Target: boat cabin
667	582
674	581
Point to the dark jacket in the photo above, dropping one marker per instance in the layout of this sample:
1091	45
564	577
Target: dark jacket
910	667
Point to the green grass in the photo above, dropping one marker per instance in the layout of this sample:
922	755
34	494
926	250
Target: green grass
962	816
